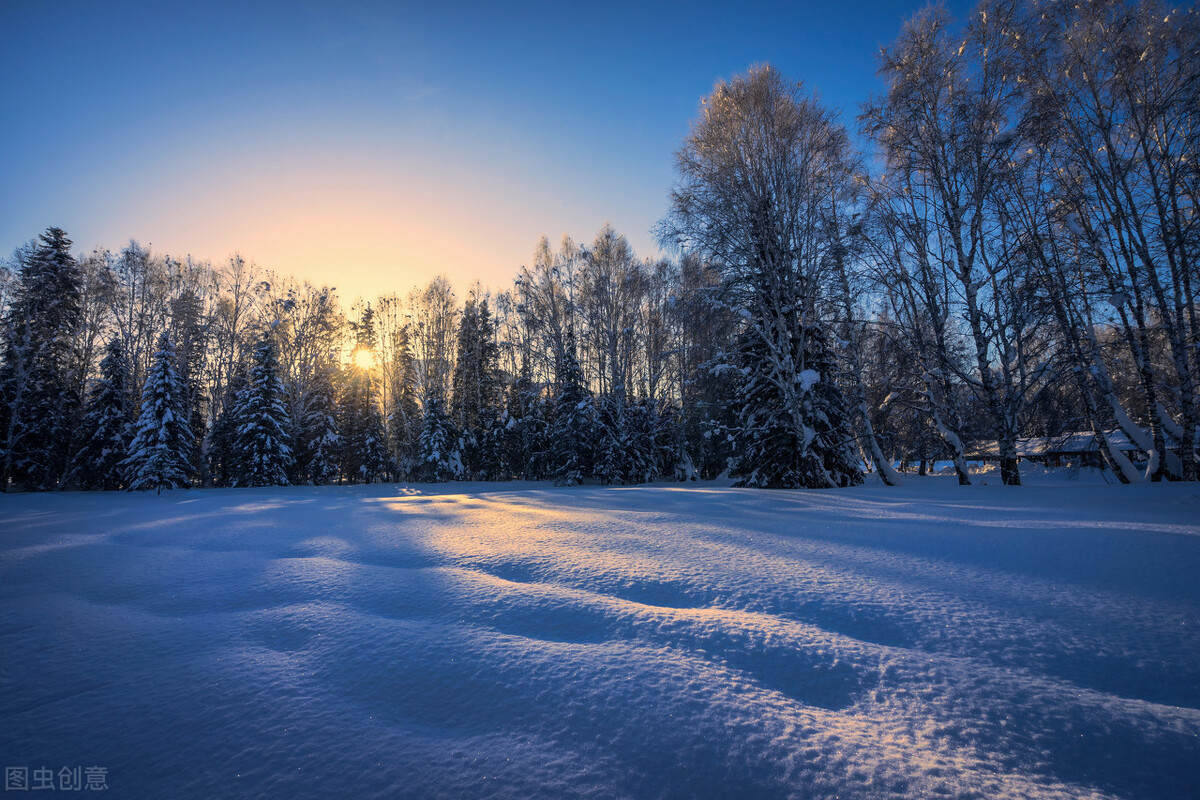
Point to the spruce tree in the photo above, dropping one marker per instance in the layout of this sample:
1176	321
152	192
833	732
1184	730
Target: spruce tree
762	173
320	441
404	416
475	386
526	428
160	453
571	434
262	439
108	423
222	453
364	439
190	333
612	463
440	457
626	449
39	402
799	435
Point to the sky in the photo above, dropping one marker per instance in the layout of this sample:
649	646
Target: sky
372	146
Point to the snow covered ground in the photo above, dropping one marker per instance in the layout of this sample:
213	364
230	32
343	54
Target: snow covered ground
513	640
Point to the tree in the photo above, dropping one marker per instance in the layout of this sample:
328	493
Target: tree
39	397
224	461
107	423
320	440
440	456
758	174
364	440
772	451
476	386
571	446
262	438
161	451
1117	84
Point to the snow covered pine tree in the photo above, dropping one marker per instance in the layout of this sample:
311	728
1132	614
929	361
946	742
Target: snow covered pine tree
107	424
262	439
38	405
440	456
161	450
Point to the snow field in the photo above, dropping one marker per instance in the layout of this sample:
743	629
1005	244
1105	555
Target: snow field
516	640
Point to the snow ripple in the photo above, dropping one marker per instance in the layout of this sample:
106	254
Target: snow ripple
520	641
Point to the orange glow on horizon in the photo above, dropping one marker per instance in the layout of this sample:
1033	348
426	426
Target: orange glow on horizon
376	220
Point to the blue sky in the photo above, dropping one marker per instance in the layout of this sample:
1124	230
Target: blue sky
373	145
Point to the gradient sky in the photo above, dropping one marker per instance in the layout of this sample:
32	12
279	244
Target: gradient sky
373	145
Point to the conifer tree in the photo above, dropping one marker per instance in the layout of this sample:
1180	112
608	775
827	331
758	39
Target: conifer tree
221	453
364	440
440	456
108	423
475	385
571	434
526	428
320	443
761	175
190	333
784	444
262	439
39	403
160	453
404	416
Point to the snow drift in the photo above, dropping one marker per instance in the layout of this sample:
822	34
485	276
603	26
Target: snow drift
524	641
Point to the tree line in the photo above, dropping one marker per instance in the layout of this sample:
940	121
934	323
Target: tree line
1007	251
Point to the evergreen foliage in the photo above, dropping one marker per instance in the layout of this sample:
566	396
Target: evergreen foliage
794	432
223	457
571	434
261	437
108	423
161	451
440	456
476	390
364	440
39	399
320	440
404	416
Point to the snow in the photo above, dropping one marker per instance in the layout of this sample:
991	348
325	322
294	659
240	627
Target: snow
1074	224
808	379
520	640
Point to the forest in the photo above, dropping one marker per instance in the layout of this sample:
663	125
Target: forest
1002	245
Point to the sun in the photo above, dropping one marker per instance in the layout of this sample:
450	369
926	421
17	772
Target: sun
365	358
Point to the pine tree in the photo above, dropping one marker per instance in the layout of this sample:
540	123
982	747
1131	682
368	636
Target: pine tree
628	449
571	433
364	440
440	456
492	457
375	466
190	333
612	463
107	423
39	402
320	439
526	428
224	462
262	439
404	416
160	453
786	443
475	385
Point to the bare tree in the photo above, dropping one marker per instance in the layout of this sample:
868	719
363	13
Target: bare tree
756	181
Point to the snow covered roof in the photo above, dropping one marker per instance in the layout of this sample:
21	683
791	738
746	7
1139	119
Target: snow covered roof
1064	444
